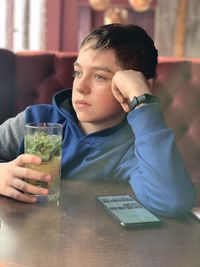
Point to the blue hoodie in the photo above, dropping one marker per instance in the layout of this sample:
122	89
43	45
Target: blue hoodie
140	150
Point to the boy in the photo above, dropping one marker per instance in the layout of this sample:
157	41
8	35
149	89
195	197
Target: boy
113	127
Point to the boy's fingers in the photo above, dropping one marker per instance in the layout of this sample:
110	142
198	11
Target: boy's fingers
14	193
126	107
117	94
22	172
23	159
120	98
28	188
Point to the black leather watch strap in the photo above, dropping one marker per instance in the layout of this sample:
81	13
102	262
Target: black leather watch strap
143	99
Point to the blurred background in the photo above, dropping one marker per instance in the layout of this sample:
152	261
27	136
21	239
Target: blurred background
60	25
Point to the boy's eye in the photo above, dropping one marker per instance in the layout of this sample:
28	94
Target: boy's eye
99	77
76	73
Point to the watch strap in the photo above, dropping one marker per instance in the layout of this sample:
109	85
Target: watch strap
143	99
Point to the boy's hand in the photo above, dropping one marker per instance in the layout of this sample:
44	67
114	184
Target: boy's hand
129	83
12	182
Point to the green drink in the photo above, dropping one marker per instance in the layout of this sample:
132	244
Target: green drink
45	141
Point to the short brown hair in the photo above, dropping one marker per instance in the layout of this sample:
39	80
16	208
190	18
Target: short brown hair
133	47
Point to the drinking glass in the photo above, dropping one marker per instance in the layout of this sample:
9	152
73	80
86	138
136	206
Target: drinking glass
45	140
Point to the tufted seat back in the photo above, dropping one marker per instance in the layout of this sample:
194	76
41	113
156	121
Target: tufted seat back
39	75
178	87
7	84
29	77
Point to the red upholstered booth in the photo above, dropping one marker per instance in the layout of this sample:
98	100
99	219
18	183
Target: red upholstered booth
178	87
33	77
28	78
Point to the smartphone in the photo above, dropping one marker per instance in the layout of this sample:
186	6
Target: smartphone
196	212
127	211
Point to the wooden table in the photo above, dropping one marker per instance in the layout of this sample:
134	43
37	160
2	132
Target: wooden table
76	232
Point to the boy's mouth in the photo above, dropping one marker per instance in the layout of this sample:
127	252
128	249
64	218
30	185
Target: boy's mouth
81	104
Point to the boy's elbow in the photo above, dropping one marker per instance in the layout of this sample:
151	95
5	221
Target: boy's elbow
178	205
177	209
171	201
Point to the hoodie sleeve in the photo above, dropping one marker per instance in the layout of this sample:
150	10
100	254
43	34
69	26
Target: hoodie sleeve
11	134
160	181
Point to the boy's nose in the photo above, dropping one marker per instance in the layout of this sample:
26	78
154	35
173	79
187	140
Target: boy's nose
82	86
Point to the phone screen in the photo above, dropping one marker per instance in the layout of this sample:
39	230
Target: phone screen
127	211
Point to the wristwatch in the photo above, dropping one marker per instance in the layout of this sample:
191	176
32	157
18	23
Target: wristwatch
143	99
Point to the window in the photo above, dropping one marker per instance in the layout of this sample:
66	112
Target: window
3	8
23	24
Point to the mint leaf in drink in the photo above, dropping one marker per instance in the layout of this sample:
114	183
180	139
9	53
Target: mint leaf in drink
43	145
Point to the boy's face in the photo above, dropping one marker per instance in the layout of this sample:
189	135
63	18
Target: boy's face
92	98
